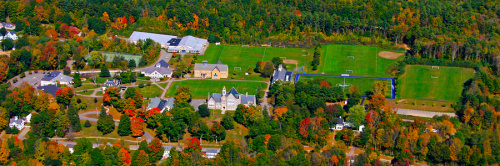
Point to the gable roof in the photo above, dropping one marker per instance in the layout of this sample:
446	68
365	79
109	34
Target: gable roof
170	103
161	70
233	92
50	89
281	74
246	99
154	102
210	67
162	63
159	38
111	83
216	97
17	122
189	42
57	76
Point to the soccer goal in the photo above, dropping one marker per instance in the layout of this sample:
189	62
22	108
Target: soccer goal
344	85
245	45
237	68
350	57
348	71
283	57
435	67
434	77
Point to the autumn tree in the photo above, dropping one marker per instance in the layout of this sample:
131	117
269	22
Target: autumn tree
183	94
304	127
64	95
278	112
193	144
96	60
380	87
137	126
124	157
155	149
142	158
111	96
4	152
228	121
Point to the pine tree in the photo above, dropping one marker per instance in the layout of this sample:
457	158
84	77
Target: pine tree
96	156
73	117
142	159
105	123
124	126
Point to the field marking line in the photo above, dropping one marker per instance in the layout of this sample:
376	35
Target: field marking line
264	55
220	54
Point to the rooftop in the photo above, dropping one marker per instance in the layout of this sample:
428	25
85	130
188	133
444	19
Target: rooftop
159	38
50	89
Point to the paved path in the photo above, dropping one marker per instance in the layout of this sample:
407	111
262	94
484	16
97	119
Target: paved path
419	113
82	116
170	80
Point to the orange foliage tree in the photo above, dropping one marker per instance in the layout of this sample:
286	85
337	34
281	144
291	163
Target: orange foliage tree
137	126
64	95
279	112
124	156
304	126
193	144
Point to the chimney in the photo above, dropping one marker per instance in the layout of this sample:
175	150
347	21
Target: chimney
205	63
15	117
246	94
280	67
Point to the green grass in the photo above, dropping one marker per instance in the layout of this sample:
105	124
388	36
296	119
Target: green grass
99	93
87	86
163	85
150	91
364	84
201	88
89	92
244	57
366	61
417	83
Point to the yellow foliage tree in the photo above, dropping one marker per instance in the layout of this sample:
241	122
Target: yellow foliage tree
4	152
278	113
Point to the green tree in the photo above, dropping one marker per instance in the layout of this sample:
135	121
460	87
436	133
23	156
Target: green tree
104	72
3	31
105	123
124	125
96	59
268	70
277	61
77	82
203	110
73	117
356	116
228	121
274	142
131	64
7	44
87	124
96	156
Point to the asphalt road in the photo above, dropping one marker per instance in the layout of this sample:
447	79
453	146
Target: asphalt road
148	136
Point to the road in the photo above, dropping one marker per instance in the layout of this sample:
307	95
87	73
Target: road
148	136
419	113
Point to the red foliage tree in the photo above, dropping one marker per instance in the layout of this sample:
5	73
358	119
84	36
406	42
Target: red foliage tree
304	126
64	95
137	126
153	112
131	19
324	84
193	144
124	156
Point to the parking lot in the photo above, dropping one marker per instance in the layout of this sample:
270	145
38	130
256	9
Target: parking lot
33	79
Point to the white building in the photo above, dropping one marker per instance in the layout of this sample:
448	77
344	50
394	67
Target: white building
17	123
159	70
158	38
166	152
212	153
56	76
188	44
7	26
162	105
111	83
12	35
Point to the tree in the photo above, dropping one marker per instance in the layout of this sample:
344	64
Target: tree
4	118
203	110
218	131
97	158
142	158
96	59
228	121
354	97
183	94
7	44
155	149
64	95
268	70
87	124
277	61
137	126
77	82
73	117
104	72
3	31
193	144
131	64
380	87
357	115
274	142
105	123
4	152
124	126
123	157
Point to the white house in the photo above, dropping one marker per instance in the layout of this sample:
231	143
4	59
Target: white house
163	105
8	26
56	76
12	35
340	124
17	123
110	83
159	70
166	153
211	153
158	38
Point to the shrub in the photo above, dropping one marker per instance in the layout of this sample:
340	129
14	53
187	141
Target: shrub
444	105
87	124
141	85
414	103
148	84
433	104
95	100
22	75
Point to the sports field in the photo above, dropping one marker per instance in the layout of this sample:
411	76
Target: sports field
364	84
244	57
428	83
110	55
361	60
201	88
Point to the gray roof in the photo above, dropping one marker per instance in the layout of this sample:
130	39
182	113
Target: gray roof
246	99
162	63
212	151
216	97
170	102
191	43
234	92
18	121
57	76
71	146
159	38
12	32
7	25
167	148
281	74
50	89
154	103
111	83
201	66
161	70
341	121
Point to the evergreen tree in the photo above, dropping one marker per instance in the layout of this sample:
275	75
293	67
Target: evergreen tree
105	123
96	156
131	64
228	121
104	72
87	124
203	110
73	117
77	82
124	126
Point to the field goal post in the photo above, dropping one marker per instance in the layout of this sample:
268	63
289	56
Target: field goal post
349	71
245	45
350	57
239	68
283	57
435	67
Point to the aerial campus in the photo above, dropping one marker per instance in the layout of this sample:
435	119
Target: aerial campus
255	82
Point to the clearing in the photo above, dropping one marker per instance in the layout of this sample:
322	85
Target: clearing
201	88
433	83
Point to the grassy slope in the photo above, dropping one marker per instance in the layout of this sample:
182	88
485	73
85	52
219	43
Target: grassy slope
150	91
364	84
244	57
366	61
417	82
201	88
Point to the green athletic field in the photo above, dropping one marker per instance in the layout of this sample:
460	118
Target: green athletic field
366	62
110	55
201	88
364	84
244	57
418	82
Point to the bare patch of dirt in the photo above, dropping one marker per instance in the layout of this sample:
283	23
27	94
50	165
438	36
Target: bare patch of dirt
290	61
389	55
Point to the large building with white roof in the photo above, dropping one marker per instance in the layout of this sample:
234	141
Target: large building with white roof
187	44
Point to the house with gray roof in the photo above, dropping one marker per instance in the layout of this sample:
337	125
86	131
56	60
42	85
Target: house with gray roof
188	44
281	74
50	89
56	76
230	100
211	153
159	70
166	152
8	26
17	123
111	83
11	35
158	38
163	105
214	71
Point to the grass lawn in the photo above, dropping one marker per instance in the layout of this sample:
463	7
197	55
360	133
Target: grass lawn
93	132
150	91
426	83
366	62
99	92
201	88
91	105
89	92
163	85
87	86
244	57
364	84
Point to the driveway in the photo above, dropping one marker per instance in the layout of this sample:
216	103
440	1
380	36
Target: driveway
33	79
196	102
148	136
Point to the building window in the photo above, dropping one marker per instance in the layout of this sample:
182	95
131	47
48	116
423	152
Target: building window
211	104
230	102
